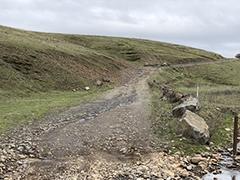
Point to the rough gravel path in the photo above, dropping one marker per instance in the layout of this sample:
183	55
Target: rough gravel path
117	124
114	124
109	138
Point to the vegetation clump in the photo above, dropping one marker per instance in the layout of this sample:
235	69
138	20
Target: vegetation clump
238	56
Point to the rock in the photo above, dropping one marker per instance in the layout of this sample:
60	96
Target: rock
164	64
218	109
146	64
189	168
178	96
3	158
154	83
151	84
203	164
124	150
171	95
237	158
218	171
12	145
105	79
191	104
227	129
142	168
21	156
195	127
211	143
87	88
33	56
185	174
208	148
99	83
197	159
151	65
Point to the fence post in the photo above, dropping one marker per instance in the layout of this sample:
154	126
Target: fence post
197	90
235	134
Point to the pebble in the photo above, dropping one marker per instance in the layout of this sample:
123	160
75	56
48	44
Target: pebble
189	168
197	159
227	129
124	150
87	88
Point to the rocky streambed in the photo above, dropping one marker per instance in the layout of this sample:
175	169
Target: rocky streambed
228	168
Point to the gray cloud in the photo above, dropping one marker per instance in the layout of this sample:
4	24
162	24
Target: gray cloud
208	24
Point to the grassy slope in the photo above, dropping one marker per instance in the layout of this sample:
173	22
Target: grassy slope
219	93
40	61
33	63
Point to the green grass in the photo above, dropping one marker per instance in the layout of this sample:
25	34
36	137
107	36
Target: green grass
19	110
38	71
32	61
219	93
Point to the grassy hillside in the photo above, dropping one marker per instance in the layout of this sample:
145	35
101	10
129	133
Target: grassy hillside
32	62
38	71
219	94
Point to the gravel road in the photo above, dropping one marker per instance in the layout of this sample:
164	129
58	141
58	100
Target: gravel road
116	124
109	138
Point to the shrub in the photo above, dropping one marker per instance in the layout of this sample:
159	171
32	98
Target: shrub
238	56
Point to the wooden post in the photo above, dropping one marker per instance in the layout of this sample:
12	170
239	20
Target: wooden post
197	90
235	134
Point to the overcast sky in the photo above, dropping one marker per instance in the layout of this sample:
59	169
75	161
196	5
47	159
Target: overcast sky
209	24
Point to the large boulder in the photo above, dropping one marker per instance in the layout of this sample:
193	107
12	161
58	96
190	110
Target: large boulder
189	103
194	126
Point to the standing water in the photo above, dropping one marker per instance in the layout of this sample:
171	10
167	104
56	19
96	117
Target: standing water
225	173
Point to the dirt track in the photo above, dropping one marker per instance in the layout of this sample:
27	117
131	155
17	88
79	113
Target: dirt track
109	138
117	125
